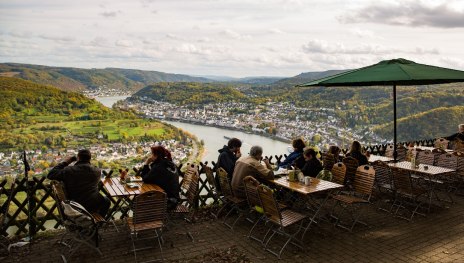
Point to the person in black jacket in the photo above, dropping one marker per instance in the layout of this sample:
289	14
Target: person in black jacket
356	152
160	170
81	182
312	165
228	155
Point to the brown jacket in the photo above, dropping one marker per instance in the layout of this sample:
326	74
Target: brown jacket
248	166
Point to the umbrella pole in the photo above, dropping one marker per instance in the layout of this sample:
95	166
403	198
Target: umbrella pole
395	153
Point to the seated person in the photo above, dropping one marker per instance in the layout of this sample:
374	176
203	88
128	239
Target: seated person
81	182
228	155
250	165
457	136
160	170
356	152
332	157
312	165
296	157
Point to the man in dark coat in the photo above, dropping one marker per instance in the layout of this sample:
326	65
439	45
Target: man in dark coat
81	182
228	155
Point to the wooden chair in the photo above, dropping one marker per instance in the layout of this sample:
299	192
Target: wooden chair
383	183
436	153
452	181
281	219
425	157
192	169
255	206
149	214
187	208
351	166
82	228
361	195
459	145
460	171
231	200
441	143
400	149
338	173
328	161
406	193
213	188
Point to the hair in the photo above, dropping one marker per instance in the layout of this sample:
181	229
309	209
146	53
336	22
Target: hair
355	147
461	126
298	144
234	142
256	151
84	155
334	149
309	152
161	152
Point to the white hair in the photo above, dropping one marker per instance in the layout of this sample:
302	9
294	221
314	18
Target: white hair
256	151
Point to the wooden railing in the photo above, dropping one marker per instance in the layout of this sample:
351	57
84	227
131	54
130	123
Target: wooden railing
33	209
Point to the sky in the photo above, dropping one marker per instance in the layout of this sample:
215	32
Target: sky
236	38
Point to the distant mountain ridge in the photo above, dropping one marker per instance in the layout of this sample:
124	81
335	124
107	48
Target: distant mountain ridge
78	79
306	77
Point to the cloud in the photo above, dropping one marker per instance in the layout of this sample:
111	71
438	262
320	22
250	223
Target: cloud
362	33
110	13
407	13
275	31
235	35
57	38
123	43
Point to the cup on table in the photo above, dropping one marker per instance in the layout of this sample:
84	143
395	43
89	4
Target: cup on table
301	177
291	175
307	180
128	179
426	167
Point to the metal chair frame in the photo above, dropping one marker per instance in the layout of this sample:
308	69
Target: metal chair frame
231	200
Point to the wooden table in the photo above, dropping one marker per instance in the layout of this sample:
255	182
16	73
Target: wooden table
117	189
372	158
316	186
124	193
427	148
430	171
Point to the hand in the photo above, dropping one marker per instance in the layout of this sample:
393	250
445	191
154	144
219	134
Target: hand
268	164
70	159
150	160
238	154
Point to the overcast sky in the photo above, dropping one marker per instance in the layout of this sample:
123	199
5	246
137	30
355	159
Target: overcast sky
231	37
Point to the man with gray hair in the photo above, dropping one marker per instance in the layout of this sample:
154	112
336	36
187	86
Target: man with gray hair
250	165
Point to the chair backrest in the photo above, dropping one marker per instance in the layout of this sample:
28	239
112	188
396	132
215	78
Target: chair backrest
364	180
338	173
441	143
192	190
251	186
149	207
328	161
224	182
460	156
436	153
459	145
60	196
210	177
402	180
382	173
190	170
269	203
400	149
351	166
448	160
426	157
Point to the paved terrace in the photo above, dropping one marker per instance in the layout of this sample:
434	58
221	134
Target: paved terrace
438	237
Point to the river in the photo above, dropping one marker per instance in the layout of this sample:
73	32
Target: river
214	139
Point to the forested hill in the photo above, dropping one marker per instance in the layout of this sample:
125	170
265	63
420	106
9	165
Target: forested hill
20	99
304	78
192	94
439	122
78	79
36	116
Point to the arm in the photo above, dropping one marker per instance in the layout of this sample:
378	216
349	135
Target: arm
264	172
57	172
289	160
452	137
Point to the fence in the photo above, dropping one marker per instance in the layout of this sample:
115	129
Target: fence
33	209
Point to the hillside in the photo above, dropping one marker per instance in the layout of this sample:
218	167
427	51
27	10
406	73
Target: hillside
305	77
439	122
78	79
192	94
35	116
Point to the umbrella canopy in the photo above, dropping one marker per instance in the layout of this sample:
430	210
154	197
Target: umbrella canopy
394	72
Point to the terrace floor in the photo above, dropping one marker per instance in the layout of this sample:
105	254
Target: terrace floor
438	237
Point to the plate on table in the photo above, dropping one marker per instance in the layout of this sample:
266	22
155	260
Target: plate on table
132	185
136	180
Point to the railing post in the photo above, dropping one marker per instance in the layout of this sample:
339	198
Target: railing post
31	207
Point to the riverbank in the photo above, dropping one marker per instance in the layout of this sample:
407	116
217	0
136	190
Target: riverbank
270	136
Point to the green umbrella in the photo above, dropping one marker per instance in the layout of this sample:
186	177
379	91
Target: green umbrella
393	72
